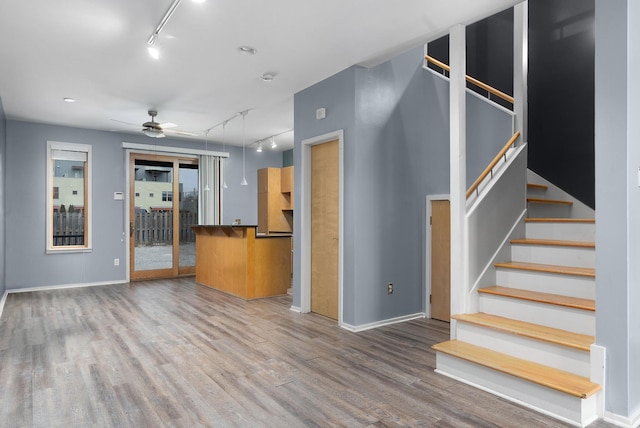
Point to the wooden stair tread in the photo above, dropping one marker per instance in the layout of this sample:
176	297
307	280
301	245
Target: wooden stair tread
549	201
555	242
556	336
558	220
535	296
537	186
559	380
539	267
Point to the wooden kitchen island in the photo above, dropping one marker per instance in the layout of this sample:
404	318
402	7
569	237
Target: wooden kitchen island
236	260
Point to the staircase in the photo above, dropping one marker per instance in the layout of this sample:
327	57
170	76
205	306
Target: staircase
530	341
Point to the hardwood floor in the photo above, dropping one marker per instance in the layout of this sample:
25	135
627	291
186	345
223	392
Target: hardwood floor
172	353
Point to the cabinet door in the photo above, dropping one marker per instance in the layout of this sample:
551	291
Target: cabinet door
286	179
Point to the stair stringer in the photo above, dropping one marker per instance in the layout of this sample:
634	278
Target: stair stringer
494	216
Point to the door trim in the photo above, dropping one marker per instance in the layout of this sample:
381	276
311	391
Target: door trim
427	263
305	219
173	152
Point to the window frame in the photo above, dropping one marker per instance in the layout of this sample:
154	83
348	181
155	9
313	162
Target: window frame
88	200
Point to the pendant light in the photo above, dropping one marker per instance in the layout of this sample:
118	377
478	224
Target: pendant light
224	149
244	179
206	169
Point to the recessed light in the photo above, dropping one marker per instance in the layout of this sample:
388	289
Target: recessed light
199	1
69	100
248	50
268	77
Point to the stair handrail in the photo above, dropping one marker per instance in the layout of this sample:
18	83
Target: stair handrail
498	93
493	163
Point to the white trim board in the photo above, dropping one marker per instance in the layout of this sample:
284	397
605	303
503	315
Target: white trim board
305	219
377	324
64	286
150	148
623	421
2	302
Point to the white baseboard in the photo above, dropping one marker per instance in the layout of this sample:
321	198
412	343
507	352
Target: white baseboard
4	299
382	323
295	309
63	286
623	421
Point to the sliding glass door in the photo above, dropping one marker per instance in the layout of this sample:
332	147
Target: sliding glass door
163	206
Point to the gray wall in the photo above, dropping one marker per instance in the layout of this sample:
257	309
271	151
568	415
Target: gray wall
287	158
27	265
3	149
617	132
396	152
337	95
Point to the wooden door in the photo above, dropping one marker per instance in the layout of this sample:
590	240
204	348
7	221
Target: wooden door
324	229
440	260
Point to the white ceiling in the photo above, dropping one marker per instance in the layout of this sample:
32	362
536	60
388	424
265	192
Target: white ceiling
95	51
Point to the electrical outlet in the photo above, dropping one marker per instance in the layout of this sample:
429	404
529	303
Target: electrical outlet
116	262
390	288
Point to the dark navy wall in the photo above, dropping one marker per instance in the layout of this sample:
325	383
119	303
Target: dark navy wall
561	94
560	85
489	52
25	202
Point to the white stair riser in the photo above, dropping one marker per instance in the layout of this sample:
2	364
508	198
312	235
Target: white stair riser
541	352
566	285
535	210
562	406
554	255
534	192
576	320
564	231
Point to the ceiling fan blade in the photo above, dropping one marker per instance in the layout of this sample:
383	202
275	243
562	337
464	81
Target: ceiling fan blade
167	125
179	132
126	123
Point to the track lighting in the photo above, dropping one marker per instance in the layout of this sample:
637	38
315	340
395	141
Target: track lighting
224	149
206	149
259	149
154	52
244	178
152	48
273	142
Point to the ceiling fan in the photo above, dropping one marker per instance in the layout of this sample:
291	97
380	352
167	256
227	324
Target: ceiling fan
154	129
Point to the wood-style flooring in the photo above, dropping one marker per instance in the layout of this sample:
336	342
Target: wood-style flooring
173	353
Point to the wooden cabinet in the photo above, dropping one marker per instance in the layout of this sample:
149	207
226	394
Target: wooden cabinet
234	260
275	200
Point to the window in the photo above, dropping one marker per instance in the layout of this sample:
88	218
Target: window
137	194
151	195
167	196
69	184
